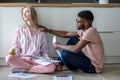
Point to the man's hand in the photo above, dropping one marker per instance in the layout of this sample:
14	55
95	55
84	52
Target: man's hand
56	45
43	28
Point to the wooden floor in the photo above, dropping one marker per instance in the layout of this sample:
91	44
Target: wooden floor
111	72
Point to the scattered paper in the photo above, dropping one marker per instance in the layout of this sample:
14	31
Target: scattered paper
62	77
21	75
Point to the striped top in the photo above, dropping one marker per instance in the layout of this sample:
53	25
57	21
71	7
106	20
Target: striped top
27	44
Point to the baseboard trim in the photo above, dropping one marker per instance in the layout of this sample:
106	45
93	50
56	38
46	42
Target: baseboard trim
112	59
2	61
108	59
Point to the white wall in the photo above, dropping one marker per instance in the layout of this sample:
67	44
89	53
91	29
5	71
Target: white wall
9	19
107	21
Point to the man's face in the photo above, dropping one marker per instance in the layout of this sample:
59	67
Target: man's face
80	23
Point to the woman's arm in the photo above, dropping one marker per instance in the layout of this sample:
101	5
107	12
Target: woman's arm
16	42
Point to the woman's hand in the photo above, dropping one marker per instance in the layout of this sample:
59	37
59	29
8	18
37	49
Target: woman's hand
29	60
49	58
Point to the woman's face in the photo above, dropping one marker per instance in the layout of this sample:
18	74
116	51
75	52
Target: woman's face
26	14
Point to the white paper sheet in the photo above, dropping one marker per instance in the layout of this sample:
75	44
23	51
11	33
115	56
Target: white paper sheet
54	40
62	78
55	61
44	61
21	75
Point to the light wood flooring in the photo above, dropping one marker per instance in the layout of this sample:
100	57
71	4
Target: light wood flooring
111	72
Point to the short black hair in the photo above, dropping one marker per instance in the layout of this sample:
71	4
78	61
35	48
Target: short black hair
86	14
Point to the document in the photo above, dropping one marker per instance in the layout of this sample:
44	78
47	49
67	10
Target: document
54	40
44	61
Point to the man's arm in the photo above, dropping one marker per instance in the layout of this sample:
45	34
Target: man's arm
72	48
64	34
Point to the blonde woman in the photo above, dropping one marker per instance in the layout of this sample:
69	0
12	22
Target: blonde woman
29	42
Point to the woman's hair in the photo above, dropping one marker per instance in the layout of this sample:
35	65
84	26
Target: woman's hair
86	14
33	14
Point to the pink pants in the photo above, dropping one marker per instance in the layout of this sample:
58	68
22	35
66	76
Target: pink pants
28	64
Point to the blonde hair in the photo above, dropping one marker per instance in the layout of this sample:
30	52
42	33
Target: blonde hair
33	14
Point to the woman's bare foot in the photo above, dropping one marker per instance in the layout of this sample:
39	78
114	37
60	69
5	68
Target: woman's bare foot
59	67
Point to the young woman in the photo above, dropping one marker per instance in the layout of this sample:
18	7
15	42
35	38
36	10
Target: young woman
29	42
